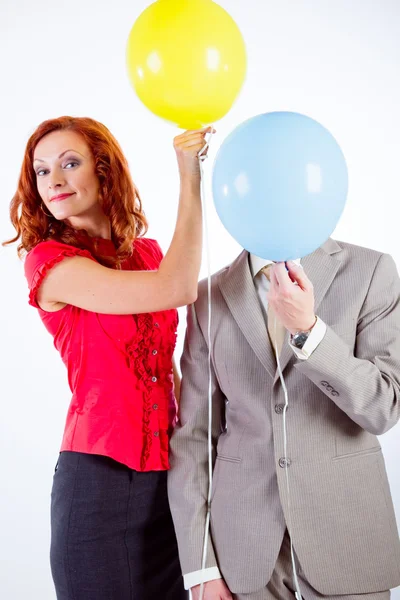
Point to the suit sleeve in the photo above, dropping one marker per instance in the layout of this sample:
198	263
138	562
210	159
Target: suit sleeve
188	478
364	382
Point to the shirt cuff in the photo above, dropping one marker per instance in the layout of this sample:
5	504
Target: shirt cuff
314	339
202	576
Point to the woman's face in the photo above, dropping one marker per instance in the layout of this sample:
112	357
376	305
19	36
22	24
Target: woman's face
65	176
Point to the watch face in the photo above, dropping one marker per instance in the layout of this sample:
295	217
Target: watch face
299	339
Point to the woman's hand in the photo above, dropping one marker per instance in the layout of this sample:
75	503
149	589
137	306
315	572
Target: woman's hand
187	147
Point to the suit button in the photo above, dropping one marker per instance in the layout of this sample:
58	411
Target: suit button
335	393
284	462
156	434
154	379
155	406
154	352
279	408
324	383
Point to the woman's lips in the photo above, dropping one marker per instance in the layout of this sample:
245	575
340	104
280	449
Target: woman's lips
60	197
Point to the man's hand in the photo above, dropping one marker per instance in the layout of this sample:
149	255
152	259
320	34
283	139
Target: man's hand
292	297
213	590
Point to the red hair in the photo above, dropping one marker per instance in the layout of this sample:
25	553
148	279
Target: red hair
119	196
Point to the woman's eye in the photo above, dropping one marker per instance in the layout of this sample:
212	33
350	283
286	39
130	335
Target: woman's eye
70	164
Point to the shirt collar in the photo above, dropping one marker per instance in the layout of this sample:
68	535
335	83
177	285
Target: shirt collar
257	263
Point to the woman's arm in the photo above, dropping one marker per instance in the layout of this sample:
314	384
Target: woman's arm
84	283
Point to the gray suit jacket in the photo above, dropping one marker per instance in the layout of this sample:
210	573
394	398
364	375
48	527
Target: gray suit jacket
343	524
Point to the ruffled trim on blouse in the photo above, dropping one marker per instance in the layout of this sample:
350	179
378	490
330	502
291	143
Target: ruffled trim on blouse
138	357
44	269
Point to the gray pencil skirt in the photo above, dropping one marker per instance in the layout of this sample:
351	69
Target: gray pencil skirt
112	535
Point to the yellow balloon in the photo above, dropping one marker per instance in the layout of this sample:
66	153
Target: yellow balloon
187	61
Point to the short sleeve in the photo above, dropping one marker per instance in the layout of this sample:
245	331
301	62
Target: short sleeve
44	257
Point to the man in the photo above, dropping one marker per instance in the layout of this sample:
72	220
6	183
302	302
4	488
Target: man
341	365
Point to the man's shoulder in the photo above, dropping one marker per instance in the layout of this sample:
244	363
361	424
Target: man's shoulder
355	251
364	262
215	278
202	294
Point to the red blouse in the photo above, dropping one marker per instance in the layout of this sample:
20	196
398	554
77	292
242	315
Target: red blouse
119	366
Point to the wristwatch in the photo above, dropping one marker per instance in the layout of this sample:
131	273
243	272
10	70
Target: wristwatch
299	338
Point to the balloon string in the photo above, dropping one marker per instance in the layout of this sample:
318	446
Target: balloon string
202	157
298	595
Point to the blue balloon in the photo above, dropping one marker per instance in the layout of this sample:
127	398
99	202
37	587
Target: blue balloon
280	185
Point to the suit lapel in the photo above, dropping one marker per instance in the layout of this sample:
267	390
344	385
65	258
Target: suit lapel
320	267
237	287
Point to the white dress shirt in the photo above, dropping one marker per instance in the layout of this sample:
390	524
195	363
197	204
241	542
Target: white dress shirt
317	334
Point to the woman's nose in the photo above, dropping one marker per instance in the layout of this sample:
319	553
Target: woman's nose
56	180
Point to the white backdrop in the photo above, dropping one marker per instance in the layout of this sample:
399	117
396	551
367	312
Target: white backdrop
335	60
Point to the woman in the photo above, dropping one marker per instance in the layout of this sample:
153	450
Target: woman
109	299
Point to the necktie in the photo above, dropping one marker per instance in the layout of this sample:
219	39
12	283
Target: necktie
276	330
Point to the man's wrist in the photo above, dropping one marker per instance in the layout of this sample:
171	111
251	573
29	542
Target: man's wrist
202	576
304	329
315	337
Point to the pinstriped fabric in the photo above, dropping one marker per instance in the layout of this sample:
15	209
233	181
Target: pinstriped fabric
281	584
343	524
